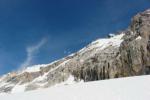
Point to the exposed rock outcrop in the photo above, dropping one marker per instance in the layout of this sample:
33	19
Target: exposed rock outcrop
122	55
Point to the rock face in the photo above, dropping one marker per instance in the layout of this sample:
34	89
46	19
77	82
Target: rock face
122	55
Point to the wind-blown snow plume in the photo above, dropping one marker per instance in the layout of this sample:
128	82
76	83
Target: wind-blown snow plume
31	51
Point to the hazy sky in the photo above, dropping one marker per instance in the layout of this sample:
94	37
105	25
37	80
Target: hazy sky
41	31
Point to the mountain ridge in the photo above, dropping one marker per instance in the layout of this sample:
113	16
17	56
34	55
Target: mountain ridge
122	55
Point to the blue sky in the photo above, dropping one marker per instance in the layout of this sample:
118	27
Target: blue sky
41	31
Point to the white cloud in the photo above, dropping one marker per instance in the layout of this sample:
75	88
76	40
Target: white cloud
31	51
67	52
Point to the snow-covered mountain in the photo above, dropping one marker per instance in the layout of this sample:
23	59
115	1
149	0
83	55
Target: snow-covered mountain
124	54
39	76
131	88
55	73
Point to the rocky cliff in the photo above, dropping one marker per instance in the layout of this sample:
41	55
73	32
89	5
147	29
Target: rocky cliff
122	55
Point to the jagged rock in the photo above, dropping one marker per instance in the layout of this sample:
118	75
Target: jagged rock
125	54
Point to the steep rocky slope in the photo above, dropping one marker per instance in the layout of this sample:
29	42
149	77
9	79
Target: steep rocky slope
122	55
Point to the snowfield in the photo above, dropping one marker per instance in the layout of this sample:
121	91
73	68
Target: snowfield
103	43
131	88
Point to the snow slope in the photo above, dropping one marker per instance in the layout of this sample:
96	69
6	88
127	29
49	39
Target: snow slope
131	88
104	43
